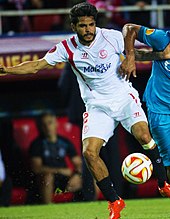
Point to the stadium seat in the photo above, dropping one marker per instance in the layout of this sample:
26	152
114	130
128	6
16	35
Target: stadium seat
24	132
19	196
70	131
64	197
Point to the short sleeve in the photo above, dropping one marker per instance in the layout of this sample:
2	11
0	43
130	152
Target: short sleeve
155	38
56	55
115	38
120	41
35	148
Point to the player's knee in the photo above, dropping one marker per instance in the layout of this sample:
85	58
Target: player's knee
89	153
91	149
145	138
141	132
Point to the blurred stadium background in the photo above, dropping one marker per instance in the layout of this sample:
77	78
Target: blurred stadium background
27	32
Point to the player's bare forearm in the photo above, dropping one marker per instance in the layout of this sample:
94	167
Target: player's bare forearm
130	33
29	67
128	67
147	55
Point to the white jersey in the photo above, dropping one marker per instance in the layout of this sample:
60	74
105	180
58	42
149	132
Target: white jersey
95	66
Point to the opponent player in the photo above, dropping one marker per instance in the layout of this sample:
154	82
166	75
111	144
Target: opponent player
157	93
94	56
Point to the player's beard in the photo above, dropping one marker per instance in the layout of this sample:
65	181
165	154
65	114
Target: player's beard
83	41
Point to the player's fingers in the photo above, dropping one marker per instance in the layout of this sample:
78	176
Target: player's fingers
128	75
120	71
134	73
123	74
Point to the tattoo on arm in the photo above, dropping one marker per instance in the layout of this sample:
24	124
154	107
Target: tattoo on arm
146	55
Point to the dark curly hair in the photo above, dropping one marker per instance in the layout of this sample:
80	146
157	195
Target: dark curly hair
82	9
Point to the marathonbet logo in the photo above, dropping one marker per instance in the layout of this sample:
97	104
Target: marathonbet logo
84	55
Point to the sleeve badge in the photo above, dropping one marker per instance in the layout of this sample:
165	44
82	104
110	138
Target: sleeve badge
149	31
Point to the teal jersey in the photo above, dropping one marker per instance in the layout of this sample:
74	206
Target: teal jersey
157	92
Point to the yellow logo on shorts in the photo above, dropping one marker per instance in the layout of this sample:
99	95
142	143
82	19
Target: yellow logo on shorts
149	31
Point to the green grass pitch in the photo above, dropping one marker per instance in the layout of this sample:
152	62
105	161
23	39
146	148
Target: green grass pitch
135	209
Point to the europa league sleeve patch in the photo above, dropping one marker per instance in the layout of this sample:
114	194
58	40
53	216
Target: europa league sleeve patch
149	31
52	49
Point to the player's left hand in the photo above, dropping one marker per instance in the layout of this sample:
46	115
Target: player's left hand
127	68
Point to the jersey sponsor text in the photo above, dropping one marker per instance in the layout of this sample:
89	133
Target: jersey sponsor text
102	68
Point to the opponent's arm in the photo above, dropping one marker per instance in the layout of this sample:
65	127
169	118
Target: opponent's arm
128	67
147	55
29	67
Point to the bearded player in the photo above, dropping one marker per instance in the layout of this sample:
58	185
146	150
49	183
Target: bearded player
94	55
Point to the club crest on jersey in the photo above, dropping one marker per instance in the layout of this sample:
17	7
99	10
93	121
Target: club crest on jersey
103	54
84	55
149	31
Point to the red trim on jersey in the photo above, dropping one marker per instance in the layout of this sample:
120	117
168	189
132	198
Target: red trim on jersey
70	58
133	97
73	41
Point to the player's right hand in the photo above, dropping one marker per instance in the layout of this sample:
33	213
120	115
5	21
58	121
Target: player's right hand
127	68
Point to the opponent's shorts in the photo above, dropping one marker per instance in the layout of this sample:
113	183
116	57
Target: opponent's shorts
160	130
102	116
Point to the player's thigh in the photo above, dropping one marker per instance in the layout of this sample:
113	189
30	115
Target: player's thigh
160	130
98	127
136	123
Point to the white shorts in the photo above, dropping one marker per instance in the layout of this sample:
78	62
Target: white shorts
103	116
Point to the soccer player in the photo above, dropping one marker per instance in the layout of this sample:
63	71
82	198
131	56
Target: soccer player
157	92
94	55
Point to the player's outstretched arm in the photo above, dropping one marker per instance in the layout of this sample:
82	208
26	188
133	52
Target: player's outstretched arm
29	67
